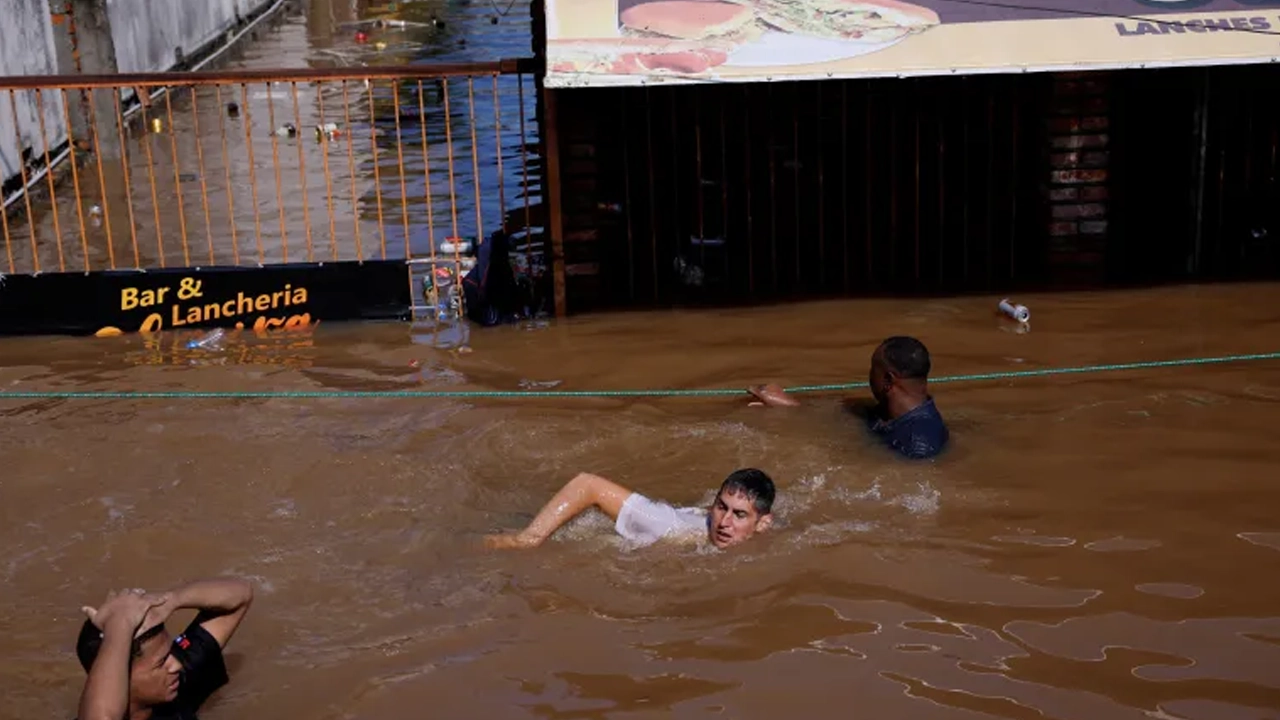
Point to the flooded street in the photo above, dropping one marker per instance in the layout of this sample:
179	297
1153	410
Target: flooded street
1093	546
410	162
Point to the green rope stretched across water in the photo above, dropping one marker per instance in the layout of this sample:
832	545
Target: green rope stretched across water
707	392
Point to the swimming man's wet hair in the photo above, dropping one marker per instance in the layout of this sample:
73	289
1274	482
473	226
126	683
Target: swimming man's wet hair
755	485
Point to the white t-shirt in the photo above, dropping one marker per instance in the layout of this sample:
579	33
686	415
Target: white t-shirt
646	521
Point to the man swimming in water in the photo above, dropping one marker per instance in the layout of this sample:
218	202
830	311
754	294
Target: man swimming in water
904	417
742	508
137	671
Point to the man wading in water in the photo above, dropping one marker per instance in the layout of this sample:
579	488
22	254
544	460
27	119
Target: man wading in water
136	671
742	508
904	417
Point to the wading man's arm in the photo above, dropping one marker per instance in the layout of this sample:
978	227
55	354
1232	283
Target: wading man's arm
222	604
106	691
772	395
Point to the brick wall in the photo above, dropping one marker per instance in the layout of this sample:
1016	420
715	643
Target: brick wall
1078	177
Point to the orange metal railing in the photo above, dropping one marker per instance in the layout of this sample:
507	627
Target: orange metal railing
261	167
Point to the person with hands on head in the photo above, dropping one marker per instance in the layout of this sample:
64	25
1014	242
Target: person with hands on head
137	671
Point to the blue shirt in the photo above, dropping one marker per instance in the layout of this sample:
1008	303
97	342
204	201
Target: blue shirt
919	434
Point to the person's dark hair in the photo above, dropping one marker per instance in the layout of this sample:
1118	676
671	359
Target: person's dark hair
755	485
90	642
906	356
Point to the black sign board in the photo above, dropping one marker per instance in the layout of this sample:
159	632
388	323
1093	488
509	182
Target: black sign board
259	298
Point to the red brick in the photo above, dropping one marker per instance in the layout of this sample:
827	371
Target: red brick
1076	142
1078	86
1095	159
1067	106
1063	194
1075	243
1064	160
1078	105
1079	210
1093	227
1094	104
1076	259
1064	125
1099	122
1093	192
579	203
1076	177
578	220
583	185
1060	229
578	167
590	235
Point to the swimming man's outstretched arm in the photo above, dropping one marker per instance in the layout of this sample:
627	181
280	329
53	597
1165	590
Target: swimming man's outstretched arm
582	492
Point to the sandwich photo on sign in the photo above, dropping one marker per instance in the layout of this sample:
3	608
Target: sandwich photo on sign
694	37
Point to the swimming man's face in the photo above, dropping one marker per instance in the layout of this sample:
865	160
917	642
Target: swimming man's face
733	518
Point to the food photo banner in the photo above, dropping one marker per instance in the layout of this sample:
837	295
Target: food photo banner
602	43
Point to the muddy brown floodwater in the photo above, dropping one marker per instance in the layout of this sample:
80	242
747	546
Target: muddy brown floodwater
1093	546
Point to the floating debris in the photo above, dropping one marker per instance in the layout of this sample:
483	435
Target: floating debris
537	385
1017	312
455	245
328	131
690	274
207	341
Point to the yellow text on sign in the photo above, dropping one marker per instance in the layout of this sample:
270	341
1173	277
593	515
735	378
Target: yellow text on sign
187	305
188	288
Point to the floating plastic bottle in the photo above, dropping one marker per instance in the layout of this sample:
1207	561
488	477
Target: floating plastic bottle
1017	312
455	245
208	341
442	284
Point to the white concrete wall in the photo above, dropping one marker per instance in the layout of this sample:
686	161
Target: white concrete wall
146	33
26	48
